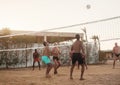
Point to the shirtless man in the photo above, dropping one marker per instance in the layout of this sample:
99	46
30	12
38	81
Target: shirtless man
55	54
78	55
116	53
46	59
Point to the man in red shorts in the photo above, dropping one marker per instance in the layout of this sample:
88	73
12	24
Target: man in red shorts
36	58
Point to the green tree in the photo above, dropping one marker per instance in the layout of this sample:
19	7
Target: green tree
6	31
5	44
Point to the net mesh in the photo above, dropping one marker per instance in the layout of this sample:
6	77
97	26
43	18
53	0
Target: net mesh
18	55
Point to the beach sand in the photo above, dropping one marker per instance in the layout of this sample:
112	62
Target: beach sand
94	75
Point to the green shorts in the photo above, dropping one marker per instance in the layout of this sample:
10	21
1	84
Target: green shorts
46	59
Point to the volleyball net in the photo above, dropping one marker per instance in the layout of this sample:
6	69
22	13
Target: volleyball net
20	55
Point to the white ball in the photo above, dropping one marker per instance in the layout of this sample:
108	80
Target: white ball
88	6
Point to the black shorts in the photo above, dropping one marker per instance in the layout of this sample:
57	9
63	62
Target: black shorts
117	55
77	57
55	58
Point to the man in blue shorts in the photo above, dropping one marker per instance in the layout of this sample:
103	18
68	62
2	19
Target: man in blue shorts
46	59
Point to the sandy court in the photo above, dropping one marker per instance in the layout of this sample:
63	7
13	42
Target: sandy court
95	75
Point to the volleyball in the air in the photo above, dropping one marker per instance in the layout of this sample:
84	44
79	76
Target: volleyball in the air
88	6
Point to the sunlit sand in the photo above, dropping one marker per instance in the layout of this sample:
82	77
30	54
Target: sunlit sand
94	75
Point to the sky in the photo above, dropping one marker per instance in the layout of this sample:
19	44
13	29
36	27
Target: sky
38	15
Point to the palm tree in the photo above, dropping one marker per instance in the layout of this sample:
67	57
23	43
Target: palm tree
99	46
6	31
98	42
85	32
96	38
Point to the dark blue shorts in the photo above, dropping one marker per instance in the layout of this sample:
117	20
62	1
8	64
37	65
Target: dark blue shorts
55	58
117	55
77	57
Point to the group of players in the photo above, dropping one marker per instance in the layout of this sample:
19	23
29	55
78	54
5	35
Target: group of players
46	58
77	54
